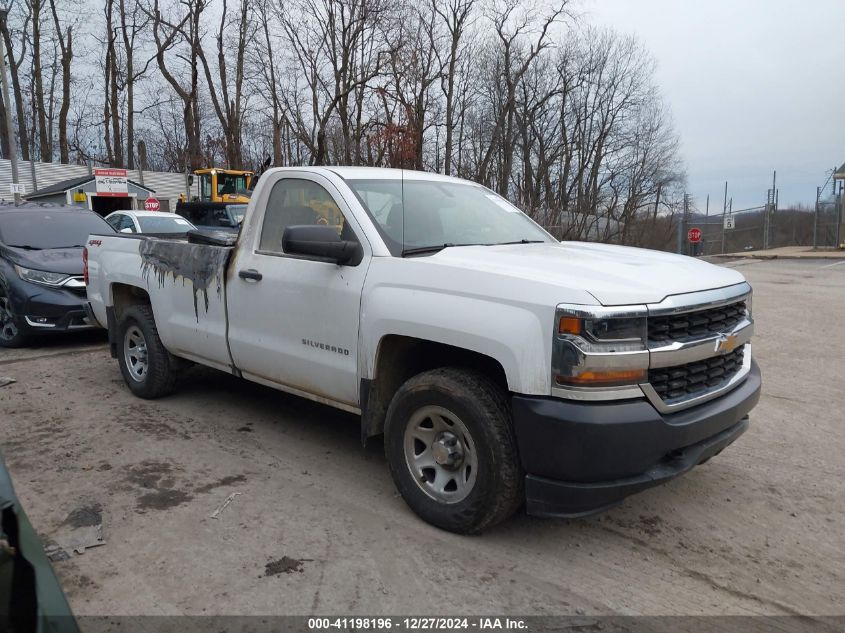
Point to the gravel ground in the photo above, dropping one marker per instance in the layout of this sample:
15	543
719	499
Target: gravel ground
315	525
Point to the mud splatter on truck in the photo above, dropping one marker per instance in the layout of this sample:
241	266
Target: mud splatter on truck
201	264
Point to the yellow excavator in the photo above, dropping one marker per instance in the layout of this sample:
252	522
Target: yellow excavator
221	201
224	185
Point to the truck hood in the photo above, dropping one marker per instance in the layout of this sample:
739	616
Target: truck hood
614	275
53	260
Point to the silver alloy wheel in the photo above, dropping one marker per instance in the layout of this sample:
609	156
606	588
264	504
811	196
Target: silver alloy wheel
8	328
441	454
135	353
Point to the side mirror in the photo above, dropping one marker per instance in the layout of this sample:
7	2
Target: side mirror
321	242
126	230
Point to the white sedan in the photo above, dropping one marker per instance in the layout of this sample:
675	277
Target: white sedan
148	222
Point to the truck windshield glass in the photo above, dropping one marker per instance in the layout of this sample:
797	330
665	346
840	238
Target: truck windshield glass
229	184
44	229
421	214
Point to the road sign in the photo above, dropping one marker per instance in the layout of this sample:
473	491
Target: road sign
730	222
152	204
17	187
694	235
111	182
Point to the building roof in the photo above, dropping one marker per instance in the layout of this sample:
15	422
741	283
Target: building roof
839	174
72	183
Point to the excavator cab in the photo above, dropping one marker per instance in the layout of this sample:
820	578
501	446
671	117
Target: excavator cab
224	185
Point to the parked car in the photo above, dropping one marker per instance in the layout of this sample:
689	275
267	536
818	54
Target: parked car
42	290
160	222
502	366
215	216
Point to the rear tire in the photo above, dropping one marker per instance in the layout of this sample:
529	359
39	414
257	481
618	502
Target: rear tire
452	451
147	367
11	329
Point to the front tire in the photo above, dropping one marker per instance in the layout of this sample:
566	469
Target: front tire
147	367
452	452
11	329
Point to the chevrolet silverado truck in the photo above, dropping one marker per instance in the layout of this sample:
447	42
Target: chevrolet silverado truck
502	367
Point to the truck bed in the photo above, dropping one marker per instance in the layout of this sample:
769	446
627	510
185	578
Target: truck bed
184	277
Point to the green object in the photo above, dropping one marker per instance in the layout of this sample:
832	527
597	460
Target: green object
31	598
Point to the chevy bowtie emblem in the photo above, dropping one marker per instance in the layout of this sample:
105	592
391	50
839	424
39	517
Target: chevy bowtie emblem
726	343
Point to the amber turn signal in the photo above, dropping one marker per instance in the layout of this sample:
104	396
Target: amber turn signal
603	378
569	325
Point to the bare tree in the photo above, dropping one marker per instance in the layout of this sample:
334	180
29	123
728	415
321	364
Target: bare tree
230	102
457	15
39	113
133	22
183	33
514	23
64	38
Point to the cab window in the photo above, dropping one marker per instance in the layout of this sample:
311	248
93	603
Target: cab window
205	186
114	221
230	184
126	222
295	202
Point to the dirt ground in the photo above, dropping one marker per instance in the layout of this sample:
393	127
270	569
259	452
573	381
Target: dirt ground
315	525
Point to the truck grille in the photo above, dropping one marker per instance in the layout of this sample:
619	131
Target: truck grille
684	382
663	330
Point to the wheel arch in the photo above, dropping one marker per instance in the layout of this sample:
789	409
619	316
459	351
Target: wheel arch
399	358
122	296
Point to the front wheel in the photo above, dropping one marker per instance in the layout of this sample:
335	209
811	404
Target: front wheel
11	332
451	450
147	367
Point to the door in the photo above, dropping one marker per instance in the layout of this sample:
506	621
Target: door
293	320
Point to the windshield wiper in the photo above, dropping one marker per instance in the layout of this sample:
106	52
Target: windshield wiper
523	241
25	247
421	250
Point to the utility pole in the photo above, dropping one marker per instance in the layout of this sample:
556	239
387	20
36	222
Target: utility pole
839	214
771	233
816	219
724	212
13	150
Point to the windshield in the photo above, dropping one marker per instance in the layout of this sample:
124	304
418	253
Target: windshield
229	184
237	212
50	229
436	213
165	224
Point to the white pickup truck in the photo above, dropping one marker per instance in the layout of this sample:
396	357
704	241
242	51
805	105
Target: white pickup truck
503	367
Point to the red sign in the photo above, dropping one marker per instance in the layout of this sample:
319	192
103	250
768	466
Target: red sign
694	235
152	204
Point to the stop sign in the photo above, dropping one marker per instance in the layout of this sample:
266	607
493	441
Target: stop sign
694	235
151	204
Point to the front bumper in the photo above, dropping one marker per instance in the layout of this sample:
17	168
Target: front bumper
582	458
45	310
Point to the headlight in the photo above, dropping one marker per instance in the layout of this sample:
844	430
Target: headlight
599	347
41	276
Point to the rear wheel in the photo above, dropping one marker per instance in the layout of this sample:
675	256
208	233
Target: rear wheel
147	367
452	451
11	332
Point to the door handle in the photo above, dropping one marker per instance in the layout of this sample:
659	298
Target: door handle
250	274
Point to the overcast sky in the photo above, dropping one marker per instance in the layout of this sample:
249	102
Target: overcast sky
753	85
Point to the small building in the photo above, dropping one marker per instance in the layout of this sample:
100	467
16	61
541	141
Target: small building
96	193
